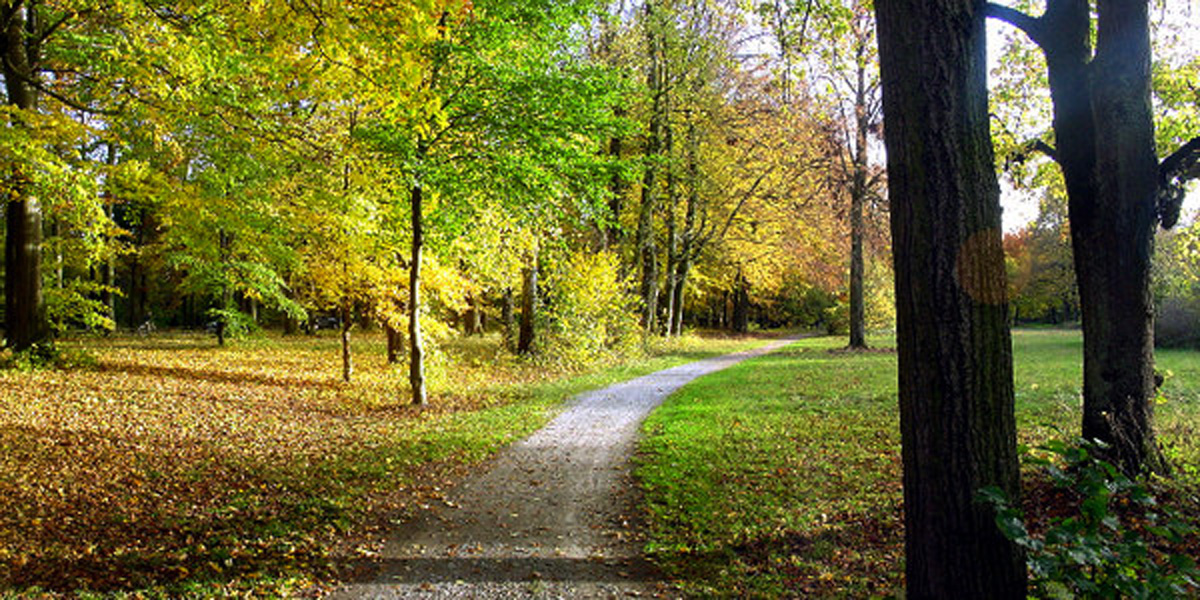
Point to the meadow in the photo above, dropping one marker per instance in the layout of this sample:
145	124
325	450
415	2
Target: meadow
781	476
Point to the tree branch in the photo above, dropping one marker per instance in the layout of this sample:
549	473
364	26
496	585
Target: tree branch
1032	26
1044	148
1174	172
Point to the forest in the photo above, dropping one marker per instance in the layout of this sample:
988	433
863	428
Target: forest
279	274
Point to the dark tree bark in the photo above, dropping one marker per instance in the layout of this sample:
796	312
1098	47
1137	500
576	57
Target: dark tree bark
529	302
506	315
740	320
224	243
395	343
612	232
416	352
647	247
1112	183
858	197
347	323
24	304
473	320
955	358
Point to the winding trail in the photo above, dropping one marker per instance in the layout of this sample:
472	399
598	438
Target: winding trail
550	517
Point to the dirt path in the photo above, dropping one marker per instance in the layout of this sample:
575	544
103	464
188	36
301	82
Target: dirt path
550	516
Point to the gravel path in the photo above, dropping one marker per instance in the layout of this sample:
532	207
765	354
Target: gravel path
550	517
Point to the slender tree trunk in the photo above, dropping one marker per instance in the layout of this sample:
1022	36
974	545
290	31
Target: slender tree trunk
506	315
529	302
740	322
673	257
955	359
108	270
612	231
416	353
858	197
224	243
647	248
347	323
24	303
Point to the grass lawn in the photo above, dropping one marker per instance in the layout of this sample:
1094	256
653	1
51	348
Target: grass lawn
174	467
781	476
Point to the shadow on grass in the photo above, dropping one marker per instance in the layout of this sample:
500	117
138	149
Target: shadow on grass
500	569
217	376
865	550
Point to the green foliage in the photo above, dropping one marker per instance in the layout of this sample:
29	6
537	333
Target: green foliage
47	355
76	305
237	323
1113	546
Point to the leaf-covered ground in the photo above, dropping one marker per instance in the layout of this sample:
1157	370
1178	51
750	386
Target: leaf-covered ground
781	477
174	467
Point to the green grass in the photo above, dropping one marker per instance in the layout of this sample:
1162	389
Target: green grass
780	476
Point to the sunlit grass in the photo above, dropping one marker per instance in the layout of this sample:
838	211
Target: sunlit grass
781	476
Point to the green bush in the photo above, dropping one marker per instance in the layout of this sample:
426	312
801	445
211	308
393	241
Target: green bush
1099	552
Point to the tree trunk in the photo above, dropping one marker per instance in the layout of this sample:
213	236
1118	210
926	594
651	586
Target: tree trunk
24	303
1111	185
529	302
740	322
395	343
955	359
647	248
612	232
1116	244
347	360
416	353
858	198
682	270
473	322
506	315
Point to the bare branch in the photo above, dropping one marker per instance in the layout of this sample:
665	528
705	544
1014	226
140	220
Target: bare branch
1032	26
1174	172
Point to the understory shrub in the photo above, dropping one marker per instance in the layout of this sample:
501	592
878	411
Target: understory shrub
1117	544
588	317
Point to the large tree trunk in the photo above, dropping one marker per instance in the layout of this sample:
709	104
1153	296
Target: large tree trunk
1111	182
529	302
24	304
955	359
416	353
1116	240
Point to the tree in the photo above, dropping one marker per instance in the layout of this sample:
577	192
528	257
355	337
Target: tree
1117	194
955	358
841	52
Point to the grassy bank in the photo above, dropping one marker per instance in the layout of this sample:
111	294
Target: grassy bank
781	476
175	467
